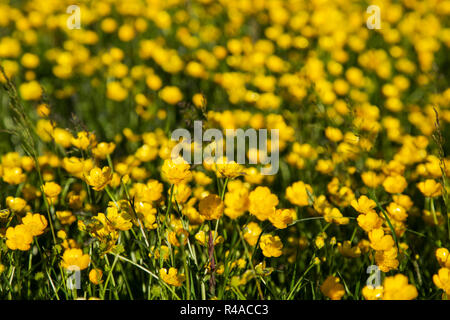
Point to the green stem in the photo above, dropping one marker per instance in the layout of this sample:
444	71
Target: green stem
433	211
300	280
109	275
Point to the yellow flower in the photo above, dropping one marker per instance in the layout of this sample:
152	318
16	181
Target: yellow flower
403	200
74	258
16	204
172	277
347	250
115	91
181	193
319	241
395	184
199	100
30	60
65	217
203	238
4	215
334	215
202	179
299	193
163	252
397	288
333	134
175	236
62	137
51	189
194	217
262	270
150	219
171	94
95	276
236	199
397	211
369	221
35	223
371	179
119	220
211	207
61	234
146	153
271	245
150	192
387	260
126	33
228	169
176	171
252	232
83	140
363	205
99	178
442	279
442	256
380	241
262	203
283	217
30	90
103	149
332	289
430	188
371	293
153	82
13	175
18	238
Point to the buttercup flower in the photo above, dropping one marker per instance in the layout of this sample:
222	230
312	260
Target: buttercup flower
271	245
99	178
369	221
35	223
19	238
95	276
16	204
397	288
211	207
380	241
51	189
358	167
171	94
332	288
347	250
397	211
176	171
363	205
66	217
236	199
299	194
387	260
228	169
430	188
282	218
395	184
103	149
74	259
262	203
370	293
251	233
172	277
442	256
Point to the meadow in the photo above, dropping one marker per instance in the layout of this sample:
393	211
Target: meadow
94	206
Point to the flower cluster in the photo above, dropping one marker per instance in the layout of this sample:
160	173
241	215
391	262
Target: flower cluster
358	117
